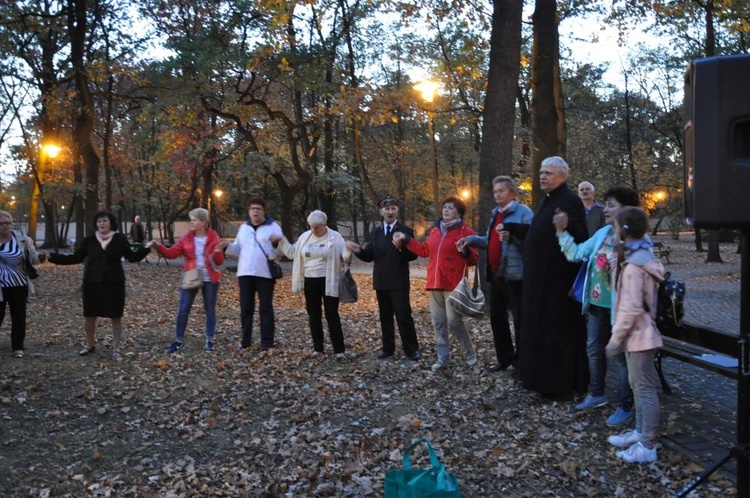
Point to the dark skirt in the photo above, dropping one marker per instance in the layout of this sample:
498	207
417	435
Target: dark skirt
104	300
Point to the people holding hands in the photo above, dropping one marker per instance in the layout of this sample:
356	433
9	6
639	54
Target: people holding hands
103	277
446	267
200	250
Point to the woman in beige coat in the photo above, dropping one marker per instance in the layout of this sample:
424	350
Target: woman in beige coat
637	280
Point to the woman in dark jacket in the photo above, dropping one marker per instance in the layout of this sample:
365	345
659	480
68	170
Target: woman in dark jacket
103	277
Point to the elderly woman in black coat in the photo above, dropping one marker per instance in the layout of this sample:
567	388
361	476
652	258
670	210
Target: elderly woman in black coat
103	277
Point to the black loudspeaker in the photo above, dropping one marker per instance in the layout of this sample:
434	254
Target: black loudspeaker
716	117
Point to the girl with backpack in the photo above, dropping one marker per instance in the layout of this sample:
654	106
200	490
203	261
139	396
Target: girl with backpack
637	280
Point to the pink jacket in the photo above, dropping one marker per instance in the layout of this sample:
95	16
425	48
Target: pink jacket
446	266
186	247
634	326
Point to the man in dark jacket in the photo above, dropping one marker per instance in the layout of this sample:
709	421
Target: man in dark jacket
552	359
390	279
137	234
504	267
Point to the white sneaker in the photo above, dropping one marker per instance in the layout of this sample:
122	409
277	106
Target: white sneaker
18	353
471	362
437	366
625	439
638	454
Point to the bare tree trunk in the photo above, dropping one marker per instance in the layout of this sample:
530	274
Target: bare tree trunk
83	122
544	138
496	155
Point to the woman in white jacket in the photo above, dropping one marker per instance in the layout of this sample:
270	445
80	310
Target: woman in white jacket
318	256
253	248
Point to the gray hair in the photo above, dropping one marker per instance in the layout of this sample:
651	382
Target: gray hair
586	184
6	214
200	213
317	217
557	163
508	181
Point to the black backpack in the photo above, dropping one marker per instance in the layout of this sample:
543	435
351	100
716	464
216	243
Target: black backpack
670	299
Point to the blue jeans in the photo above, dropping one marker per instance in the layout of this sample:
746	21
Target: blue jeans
209	291
599	330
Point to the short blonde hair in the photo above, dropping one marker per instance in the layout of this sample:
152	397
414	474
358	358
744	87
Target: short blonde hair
317	217
200	213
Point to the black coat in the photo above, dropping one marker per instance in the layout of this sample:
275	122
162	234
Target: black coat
552	359
391	268
103	265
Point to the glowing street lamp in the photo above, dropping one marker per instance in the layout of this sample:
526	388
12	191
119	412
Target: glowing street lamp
47	151
429	89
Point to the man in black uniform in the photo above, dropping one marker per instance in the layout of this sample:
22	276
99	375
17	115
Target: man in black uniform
390	279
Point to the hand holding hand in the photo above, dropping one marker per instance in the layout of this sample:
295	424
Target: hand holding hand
461	244
560	220
398	239
150	244
353	247
275	239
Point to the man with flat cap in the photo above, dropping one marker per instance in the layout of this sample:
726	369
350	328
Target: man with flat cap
390	279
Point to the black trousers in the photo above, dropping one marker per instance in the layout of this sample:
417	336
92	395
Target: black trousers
16	298
249	286
315	293
503	295
396	302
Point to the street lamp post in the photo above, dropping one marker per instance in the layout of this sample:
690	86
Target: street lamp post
217	193
47	151
429	89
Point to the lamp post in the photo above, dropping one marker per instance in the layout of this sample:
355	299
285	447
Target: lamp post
216	193
45	153
429	89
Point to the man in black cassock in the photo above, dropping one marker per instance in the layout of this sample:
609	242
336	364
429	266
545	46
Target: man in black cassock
552	358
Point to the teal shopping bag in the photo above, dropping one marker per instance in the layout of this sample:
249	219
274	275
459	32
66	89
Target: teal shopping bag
435	482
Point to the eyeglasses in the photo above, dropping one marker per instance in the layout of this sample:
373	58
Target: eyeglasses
5	223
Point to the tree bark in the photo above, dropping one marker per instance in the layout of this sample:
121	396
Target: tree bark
544	116
83	122
496	155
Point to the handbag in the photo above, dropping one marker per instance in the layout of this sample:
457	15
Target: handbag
468	299
347	287
435	482
273	267
192	279
576	291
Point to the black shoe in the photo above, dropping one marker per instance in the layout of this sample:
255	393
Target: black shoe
503	365
415	356
384	356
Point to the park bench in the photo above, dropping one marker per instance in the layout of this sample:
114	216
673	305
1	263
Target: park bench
662	250
161	258
702	357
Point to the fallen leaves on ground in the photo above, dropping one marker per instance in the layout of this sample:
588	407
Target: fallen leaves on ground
286	423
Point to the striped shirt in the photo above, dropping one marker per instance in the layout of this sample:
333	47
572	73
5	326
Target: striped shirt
12	269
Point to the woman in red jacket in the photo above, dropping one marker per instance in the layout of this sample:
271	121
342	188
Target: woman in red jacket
445	269
199	249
